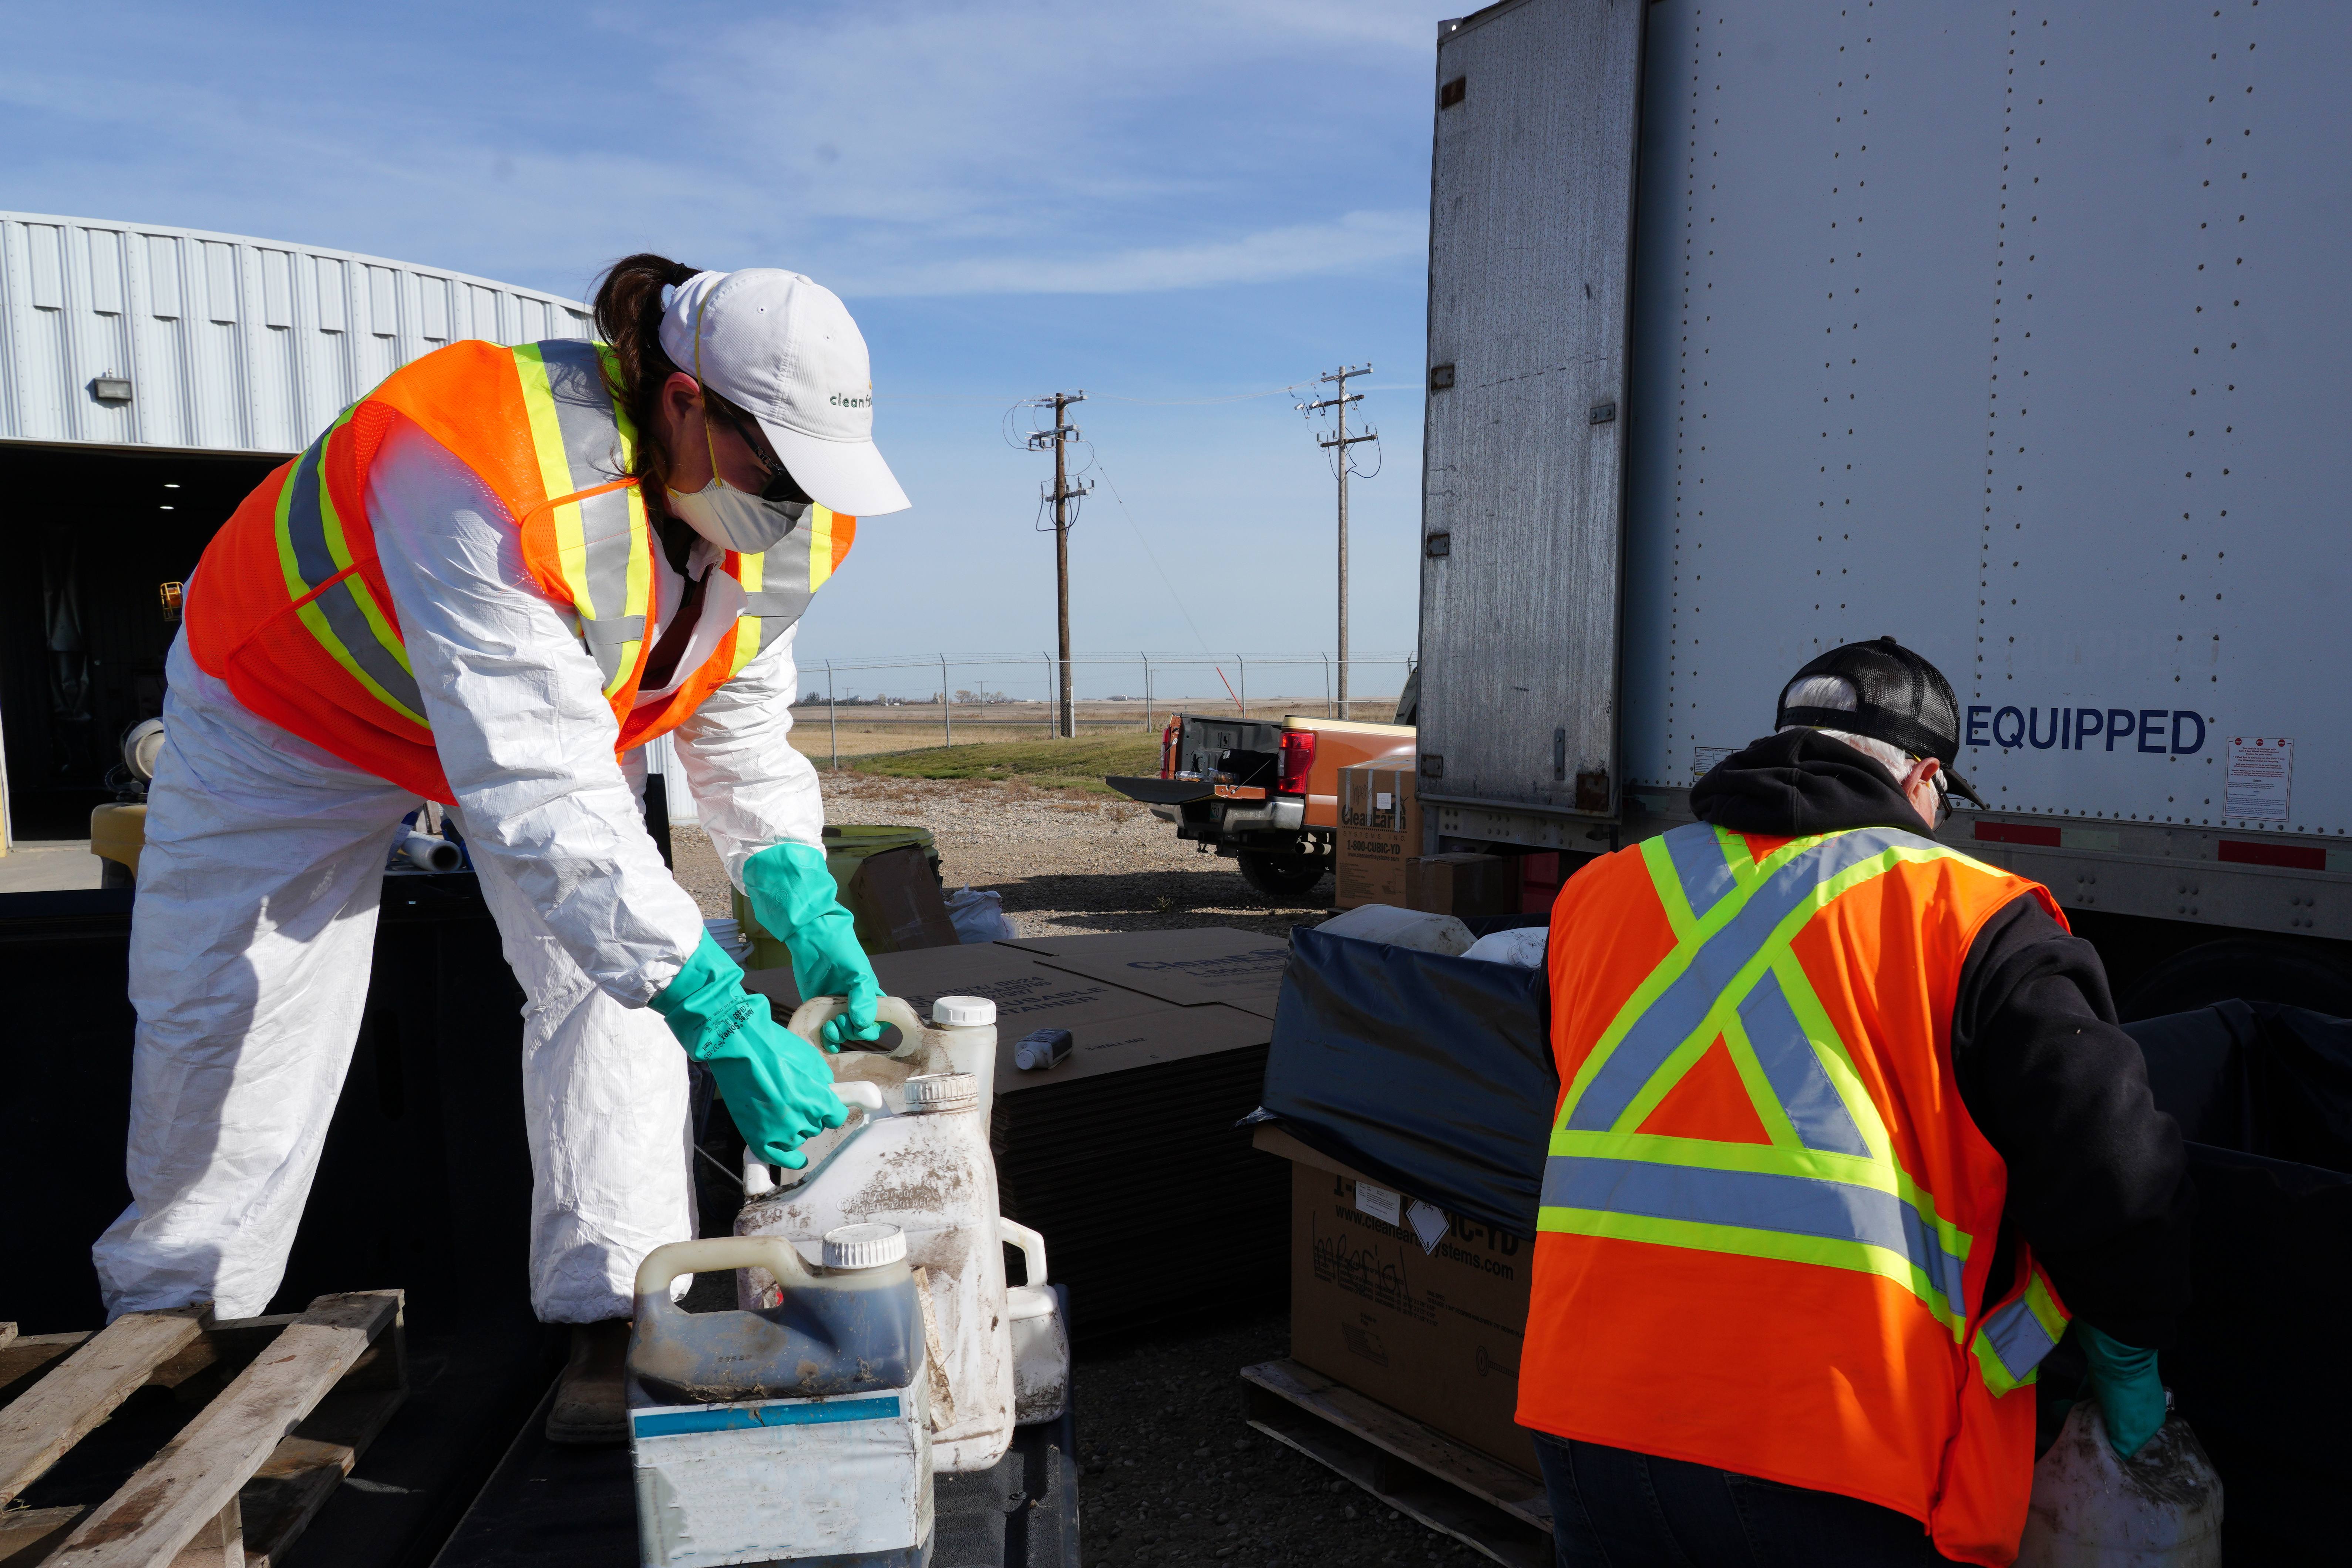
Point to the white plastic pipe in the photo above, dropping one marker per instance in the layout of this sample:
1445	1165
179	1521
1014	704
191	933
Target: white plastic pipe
434	853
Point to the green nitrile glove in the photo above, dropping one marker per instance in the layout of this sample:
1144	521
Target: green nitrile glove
777	1086
793	896
2124	1381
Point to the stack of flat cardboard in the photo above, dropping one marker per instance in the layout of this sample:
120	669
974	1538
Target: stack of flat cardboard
1127	1157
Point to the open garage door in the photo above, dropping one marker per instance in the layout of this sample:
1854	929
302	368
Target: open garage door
95	532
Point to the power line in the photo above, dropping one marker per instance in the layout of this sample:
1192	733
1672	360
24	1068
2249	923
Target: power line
1148	554
1342	462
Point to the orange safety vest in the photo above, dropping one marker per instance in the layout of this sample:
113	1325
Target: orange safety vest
1766	1219
288	606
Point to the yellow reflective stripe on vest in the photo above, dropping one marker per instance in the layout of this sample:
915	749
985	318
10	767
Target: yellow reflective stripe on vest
2012	1340
344	616
820	547
1826	1189
584	439
779	584
752	571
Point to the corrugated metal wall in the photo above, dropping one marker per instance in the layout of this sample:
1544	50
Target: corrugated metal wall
230	343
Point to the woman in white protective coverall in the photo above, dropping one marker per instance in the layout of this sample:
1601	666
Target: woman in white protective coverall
489	583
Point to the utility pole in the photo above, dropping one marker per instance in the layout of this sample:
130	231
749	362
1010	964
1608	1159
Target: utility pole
1065	720
1338	443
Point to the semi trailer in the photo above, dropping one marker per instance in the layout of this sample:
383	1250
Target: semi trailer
2015	333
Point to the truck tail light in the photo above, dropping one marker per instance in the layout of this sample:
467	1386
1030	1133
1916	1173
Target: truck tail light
1298	760
1168	748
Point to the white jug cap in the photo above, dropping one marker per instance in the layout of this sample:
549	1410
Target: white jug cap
963	1012
943	1091
863	1245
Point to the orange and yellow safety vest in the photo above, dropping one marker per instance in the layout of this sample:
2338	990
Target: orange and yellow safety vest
290	607
1767	1220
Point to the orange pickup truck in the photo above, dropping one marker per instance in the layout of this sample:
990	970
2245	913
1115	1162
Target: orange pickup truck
1263	792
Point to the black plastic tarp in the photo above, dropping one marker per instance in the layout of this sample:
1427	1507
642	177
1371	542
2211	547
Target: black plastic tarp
2262	1366
1432	1073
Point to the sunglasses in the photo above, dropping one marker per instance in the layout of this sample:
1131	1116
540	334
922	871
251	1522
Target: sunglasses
780	487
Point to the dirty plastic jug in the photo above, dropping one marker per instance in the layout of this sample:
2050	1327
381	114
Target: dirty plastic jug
2159	1509
1041	1339
798	1432
960	1037
922	1164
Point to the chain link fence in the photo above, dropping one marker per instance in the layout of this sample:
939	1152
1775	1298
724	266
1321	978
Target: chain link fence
903	702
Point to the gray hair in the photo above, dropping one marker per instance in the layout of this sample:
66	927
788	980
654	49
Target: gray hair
1837	692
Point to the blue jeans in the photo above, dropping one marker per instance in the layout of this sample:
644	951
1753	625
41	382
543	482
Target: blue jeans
1612	1508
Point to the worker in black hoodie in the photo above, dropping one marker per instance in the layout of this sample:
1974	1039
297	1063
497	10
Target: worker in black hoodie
1728	1360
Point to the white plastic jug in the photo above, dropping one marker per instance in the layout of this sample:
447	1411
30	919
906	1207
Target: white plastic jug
960	1037
797	1434
921	1164
2159	1509
1041	1340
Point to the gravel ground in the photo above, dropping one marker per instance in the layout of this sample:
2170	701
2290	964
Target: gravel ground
1172	1473
1065	862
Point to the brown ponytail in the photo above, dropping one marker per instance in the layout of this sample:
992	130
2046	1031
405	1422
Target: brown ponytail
629	318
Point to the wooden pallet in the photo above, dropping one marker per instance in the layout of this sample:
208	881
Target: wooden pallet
243	1478
1458	1491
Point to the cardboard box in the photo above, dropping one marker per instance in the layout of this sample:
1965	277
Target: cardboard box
1436	1335
1380	830
1462	885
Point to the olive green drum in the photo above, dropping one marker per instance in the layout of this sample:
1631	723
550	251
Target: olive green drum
846	849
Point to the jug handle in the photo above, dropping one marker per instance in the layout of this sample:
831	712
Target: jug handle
1032	1246
666	1263
759	1181
810	1017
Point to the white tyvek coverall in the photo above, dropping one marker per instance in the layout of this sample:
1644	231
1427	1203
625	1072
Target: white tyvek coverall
257	908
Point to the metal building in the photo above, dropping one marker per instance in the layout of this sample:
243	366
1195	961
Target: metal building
149	377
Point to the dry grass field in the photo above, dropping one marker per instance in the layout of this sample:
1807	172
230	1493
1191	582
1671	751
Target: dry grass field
864	730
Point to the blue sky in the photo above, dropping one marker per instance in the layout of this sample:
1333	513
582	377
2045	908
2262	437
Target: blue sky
1163	205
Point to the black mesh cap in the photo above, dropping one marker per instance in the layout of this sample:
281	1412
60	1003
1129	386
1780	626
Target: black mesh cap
1899	698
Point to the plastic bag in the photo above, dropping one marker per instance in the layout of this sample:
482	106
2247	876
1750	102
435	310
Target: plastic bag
1401	928
1523	945
979	917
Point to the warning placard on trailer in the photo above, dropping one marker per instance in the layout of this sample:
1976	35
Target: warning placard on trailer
2261	770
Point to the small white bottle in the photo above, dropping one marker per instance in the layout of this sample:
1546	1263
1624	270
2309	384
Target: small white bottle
965	1029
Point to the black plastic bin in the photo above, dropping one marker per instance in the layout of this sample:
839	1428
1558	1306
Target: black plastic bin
2263	1367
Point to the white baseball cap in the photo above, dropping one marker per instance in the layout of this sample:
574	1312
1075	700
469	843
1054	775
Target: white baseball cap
784	348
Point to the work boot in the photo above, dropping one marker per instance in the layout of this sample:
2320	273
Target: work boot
589	1410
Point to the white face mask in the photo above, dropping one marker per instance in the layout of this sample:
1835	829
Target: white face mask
732	519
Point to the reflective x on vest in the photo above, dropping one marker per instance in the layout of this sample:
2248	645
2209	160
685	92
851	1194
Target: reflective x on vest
1824	1186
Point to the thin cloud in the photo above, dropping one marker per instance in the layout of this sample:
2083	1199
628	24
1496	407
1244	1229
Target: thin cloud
1356	242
